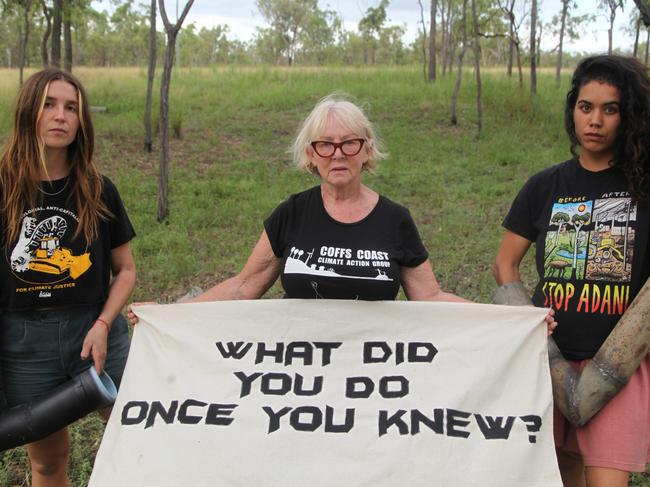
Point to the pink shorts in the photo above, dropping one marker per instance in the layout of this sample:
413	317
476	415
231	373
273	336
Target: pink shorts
618	436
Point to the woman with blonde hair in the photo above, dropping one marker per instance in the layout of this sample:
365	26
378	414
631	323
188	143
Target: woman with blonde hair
67	269
339	239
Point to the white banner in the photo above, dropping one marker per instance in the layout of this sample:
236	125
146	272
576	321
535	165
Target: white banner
283	393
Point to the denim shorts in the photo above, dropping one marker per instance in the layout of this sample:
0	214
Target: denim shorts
40	349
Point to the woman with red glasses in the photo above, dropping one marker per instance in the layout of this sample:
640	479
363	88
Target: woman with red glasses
339	239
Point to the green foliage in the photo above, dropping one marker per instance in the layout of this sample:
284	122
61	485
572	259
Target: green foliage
294	23
231	169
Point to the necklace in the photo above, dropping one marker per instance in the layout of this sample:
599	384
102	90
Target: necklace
56	192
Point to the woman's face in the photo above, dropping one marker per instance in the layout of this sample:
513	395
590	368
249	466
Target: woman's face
597	117
339	169
59	121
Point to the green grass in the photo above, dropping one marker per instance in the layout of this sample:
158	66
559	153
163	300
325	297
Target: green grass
230	169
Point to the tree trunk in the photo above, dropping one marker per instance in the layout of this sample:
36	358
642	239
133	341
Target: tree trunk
172	32
57	11
610	31
511	30
45	58
151	73
533	54
539	44
23	34
519	67
21	54
443	38
67	36
451	46
477	67
459	78
163	179
558	69
636	38
424	41
647	46
432	42
644	9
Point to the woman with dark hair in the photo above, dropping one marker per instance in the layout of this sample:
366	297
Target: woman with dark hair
589	218
64	234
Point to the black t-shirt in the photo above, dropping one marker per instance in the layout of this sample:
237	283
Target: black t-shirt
324	258
591	250
47	266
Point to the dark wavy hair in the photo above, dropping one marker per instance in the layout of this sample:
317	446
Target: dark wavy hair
632	150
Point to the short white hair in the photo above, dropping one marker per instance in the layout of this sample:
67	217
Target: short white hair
348	114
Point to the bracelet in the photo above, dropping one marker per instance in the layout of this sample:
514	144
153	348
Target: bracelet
105	323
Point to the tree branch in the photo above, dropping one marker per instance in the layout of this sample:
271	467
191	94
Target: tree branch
644	8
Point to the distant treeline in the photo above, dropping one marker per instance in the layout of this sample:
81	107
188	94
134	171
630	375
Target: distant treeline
297	32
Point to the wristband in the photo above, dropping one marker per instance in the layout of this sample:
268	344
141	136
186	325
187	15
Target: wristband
105	323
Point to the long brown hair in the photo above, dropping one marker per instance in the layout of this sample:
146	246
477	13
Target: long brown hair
23	159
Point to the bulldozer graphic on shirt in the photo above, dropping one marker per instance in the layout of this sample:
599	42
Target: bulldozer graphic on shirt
52	259
39	249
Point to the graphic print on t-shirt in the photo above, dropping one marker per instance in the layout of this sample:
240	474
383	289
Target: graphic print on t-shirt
40	256
591	240
611	243
566	247
330	258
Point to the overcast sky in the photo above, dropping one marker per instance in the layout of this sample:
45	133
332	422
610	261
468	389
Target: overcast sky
243	18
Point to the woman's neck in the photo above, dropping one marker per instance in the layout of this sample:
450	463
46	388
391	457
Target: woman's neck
56	163
348	205
595	162
340	194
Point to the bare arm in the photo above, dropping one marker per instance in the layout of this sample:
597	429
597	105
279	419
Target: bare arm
511	251
123	267
258	275
420	284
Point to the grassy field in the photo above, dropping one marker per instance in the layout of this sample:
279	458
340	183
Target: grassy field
230	168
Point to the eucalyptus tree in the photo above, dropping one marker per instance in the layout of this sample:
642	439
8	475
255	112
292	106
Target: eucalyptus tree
171	31
20	12
424	42
67	35
151	73
644	10
288	20
318	43
611	6
446	42
567	25
637	33
432	39
461	54
390	45
47	32
370	27
533	55
477	66
57	13
515	15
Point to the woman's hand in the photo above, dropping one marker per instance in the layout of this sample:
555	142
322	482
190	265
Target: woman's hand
130	315
95	344
551	324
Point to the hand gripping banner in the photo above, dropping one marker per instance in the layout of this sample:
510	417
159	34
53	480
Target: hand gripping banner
279	393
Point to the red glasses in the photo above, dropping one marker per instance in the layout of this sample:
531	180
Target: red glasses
350	147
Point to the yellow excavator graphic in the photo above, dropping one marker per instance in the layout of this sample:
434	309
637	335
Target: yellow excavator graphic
52	259
607	250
